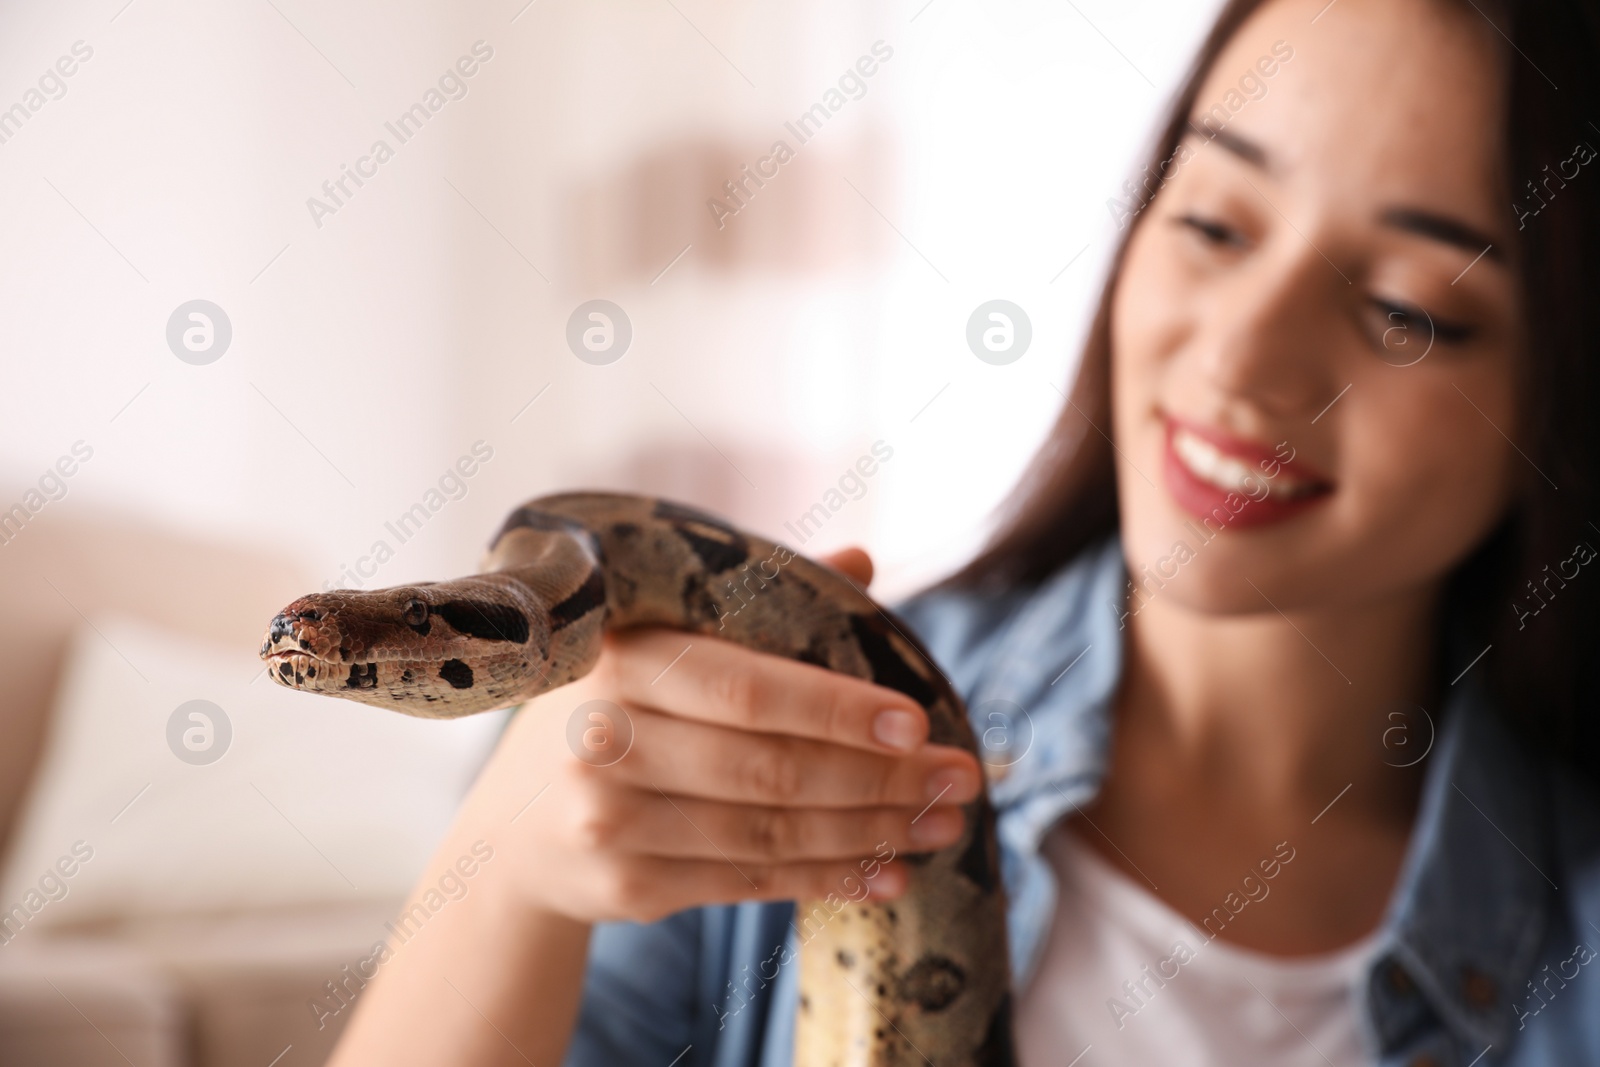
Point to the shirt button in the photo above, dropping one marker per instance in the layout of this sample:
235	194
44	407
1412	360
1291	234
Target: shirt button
1478	988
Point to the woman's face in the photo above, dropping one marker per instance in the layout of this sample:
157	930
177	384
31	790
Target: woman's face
1312	353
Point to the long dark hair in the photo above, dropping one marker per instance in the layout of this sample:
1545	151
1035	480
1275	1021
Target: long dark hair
1541	672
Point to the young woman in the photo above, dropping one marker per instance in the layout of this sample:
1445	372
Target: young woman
1296	602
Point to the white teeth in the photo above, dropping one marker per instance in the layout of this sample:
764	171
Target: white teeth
1208	463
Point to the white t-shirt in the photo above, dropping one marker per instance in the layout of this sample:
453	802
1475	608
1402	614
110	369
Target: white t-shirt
1125	979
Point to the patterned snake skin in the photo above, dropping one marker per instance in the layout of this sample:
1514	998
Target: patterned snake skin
922	979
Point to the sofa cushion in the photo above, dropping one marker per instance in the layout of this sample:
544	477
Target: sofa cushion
308	800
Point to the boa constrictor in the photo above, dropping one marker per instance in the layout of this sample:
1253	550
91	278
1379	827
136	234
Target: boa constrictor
920	979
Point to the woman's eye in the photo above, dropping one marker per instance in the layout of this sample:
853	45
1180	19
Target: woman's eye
1214	232
1396	321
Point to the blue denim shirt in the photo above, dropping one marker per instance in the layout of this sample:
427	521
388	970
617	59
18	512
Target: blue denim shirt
1490	950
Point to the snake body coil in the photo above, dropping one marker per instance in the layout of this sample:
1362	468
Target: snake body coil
921	979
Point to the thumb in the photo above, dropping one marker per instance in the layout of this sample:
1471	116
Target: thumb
852	562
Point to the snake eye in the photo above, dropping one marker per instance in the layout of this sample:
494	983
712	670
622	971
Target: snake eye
416	612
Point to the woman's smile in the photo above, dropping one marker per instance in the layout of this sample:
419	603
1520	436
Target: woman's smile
1214	475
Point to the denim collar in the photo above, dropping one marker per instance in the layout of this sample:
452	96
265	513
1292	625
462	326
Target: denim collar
1059	661
1472	900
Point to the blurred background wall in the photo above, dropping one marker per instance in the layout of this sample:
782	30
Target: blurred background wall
399	214
372	346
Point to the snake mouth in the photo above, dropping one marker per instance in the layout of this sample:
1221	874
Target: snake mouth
293	667
290	640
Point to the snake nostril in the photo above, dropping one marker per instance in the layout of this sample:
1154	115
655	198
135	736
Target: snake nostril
282	626
311	615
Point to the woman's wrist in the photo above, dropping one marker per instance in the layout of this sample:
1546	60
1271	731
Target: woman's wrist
510	911
497	976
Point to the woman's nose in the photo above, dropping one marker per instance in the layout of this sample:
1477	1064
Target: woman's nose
1270	337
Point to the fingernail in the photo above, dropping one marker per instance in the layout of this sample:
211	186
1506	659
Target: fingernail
897	729
888	883
951	780
939	826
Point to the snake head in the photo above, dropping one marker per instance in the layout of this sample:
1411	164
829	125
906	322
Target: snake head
440	649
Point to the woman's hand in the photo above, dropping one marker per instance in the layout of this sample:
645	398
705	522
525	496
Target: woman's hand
748	776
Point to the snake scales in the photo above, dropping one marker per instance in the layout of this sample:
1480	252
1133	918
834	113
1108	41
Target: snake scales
920	979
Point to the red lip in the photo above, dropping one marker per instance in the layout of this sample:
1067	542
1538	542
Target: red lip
1221	508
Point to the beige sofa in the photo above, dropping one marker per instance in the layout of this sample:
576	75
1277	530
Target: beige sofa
187	991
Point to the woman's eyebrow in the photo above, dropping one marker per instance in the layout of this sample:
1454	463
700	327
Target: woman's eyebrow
1242	147
1442	228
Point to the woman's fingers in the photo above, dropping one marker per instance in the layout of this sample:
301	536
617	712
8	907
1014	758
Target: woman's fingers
746	777
649	888
652	823
852	562
684	757
717	681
